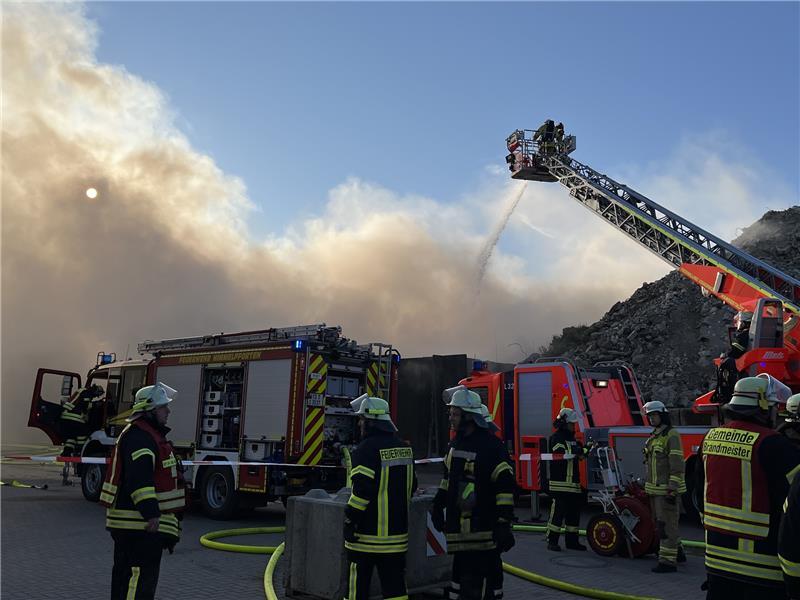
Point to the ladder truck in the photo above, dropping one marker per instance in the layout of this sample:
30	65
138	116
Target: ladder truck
525	400
245	401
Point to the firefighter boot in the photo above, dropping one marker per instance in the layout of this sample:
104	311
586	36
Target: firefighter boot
572	543
664	568
681	555
65	480
552	543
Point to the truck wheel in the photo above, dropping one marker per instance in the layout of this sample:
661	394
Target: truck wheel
218	493
692	499
605	534
92	477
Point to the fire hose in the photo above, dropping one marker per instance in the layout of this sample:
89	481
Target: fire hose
207	540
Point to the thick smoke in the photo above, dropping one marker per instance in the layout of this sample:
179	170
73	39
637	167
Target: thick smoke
165	251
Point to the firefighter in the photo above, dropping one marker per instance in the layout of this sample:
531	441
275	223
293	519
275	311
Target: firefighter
144	495
376	516
565	483
790	428
728	373
474	505
664	483
545	135
747	467
74	423
559	134
789	540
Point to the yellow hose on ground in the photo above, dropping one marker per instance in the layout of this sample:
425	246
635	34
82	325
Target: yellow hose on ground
207	540
269	589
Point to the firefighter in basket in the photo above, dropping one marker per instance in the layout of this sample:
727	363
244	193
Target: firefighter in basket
747	467
664	484
474	505
565	482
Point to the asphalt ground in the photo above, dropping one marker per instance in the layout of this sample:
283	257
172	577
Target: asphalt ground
53	545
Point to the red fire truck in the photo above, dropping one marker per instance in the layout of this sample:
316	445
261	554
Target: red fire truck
525	401
278	396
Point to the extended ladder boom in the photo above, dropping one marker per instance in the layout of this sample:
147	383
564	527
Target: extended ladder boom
722	269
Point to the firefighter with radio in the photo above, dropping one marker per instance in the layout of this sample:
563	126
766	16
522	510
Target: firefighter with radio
747	468
474	505
144	495
376	516
664	483
565	482
790	428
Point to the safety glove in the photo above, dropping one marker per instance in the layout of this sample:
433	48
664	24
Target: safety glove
503	536
349	530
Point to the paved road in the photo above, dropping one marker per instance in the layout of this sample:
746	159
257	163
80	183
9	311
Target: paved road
54	547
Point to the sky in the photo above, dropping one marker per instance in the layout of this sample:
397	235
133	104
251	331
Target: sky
266	164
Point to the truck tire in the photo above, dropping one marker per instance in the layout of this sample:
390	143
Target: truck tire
92	477
218	495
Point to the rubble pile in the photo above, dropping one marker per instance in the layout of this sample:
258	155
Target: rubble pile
668	330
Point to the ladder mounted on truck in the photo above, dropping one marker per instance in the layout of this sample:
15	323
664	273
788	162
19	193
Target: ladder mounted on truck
318	332
718	267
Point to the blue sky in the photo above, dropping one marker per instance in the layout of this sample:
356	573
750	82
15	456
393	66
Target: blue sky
418	97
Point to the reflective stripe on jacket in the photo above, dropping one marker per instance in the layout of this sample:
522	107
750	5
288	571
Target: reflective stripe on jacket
142	481
565	475
746	467
664	463
477	491
382	483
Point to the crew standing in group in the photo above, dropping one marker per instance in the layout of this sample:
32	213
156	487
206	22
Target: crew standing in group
664	484
144	495
376	516
474	505
747	467
568	497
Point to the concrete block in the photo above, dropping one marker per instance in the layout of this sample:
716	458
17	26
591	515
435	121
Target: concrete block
316	562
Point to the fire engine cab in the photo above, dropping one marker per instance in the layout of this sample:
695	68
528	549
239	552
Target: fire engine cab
277	396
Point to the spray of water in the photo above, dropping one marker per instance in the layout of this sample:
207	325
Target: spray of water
487	249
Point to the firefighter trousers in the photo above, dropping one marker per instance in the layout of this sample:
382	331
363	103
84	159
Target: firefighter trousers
477	575
723	588
391	573
565	508
137	562
666	517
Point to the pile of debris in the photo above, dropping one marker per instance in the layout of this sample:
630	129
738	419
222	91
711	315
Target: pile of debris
668	330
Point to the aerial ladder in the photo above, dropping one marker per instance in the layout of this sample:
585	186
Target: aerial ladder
740	280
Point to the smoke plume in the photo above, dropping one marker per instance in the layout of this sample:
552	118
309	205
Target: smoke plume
164	249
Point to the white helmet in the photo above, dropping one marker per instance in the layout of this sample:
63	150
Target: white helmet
793	408
152	396
567	415
467	400
759	392
376	409
488	418
654	406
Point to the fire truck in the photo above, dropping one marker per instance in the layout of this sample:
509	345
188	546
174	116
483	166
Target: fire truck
279	396
606	396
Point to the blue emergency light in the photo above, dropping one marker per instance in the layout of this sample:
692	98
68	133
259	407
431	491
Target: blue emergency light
396	358
479	365
299	345
106	359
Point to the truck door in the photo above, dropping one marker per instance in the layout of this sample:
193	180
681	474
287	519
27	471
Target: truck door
51	389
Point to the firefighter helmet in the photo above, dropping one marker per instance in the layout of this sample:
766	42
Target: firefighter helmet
793	408
567	415
488	418
373	409
467	400
654	406
152	396
758	392
741	318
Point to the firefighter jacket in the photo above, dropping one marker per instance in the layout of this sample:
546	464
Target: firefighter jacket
789	540
663	459
76	409
747	472
791	431
143	482
565	475
477	491
383	480
740	343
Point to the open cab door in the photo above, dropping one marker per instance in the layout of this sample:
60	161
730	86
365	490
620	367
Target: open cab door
52	388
